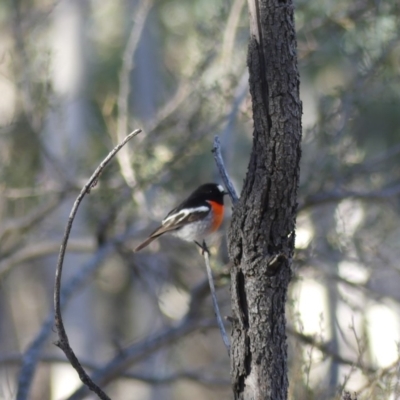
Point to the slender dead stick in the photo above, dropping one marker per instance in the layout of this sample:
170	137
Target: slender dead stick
63	342
221	326
216	150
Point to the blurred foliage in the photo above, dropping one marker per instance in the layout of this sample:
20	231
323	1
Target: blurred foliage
60	84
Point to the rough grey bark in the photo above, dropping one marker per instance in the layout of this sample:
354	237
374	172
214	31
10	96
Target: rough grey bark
261	238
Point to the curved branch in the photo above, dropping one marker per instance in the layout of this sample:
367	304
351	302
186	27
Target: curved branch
31	356
63	342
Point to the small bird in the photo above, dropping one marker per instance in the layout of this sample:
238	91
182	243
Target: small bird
196	217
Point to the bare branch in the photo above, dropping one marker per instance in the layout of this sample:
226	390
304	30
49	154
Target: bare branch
221	326
42	249
326	349
31	356
33	113
338	195
182	93
230	32
240	93
188	324
195	376
124	157
25	76
380	374
138	351
30	219
221	167
63	342
374	163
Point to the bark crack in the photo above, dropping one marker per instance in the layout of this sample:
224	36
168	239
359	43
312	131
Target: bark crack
242	300
244	320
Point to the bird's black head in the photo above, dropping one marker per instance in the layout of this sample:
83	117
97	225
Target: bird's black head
210	191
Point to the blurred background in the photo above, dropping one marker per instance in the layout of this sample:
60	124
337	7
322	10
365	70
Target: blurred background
76	76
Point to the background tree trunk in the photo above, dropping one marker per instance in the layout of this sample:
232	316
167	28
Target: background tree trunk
261	238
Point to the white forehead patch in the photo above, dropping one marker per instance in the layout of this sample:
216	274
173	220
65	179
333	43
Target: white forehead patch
221	188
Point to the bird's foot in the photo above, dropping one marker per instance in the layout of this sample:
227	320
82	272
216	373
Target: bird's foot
203	247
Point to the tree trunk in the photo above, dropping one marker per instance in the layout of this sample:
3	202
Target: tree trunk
261	238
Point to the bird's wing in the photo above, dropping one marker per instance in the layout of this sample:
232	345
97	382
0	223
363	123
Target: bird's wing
177	218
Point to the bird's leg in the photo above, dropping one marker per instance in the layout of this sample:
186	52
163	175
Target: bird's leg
203	247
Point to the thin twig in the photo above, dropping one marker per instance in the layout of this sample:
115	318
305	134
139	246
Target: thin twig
221	167
32	218
124	157
181	94
379	376
138	351
41	249
338	195
63	342
221	326
198	376
31	107
230	32
240	93
188	324
31	356
327	350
